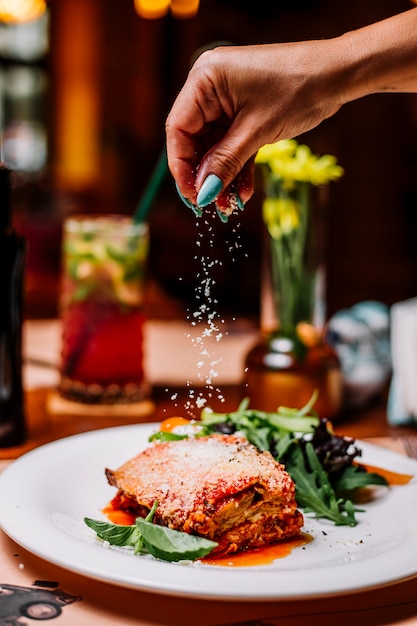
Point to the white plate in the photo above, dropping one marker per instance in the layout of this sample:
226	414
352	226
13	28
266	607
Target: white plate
46	493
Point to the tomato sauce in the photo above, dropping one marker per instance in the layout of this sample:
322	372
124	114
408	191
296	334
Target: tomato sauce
259	556
119	516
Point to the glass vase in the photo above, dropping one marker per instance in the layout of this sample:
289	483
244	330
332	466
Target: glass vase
292	361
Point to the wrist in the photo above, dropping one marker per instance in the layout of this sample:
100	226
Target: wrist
380	57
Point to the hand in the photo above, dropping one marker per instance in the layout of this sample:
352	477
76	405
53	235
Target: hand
235	100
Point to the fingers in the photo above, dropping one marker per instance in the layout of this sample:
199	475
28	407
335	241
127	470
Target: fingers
213	131
230	155
237	193
206	173
182	152
227	200
200	145
194	123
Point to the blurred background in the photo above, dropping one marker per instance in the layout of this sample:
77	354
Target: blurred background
85	87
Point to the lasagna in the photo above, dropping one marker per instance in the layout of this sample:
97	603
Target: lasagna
219	486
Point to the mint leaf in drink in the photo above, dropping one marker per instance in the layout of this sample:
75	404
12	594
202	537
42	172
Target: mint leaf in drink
82	292
172	545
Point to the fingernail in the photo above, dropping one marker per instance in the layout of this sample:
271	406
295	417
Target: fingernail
224	218
240	203
197	211
209	191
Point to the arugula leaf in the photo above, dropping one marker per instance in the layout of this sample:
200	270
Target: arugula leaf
354	477
283	445
314	492
172	545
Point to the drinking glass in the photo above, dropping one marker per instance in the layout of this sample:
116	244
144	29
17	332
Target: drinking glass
102	309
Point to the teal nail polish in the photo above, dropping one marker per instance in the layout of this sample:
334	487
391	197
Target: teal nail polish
224	218
209	191
197	211
240	203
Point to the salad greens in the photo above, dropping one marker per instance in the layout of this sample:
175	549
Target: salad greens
319	461
314	491
160	541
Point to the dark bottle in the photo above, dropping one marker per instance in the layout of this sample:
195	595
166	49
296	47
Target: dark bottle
12	262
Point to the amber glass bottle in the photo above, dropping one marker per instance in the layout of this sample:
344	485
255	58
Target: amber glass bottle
12	261
292	361
284	370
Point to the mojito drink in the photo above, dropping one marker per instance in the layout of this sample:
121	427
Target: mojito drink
102	309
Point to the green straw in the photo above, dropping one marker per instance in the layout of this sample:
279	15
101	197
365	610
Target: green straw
146	201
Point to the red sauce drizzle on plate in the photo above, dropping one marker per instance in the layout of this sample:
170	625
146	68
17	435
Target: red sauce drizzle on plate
260	556
118	516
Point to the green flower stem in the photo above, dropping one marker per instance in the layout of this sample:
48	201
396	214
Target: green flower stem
293	278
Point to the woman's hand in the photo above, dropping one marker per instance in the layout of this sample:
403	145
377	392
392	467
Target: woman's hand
235	100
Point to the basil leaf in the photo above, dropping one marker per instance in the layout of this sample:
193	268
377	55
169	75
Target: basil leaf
115	534
163	543
140	544
172	545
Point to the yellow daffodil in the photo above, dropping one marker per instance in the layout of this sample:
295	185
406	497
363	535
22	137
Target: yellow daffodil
281	215
291	162
291	171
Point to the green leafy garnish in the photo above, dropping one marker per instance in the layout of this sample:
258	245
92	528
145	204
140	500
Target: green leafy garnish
319	462
314	492
356	477
160	541
166	436
172	545
115	534
262	429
